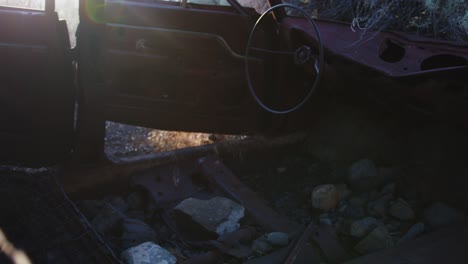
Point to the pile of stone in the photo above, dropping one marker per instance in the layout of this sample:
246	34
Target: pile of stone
367	213
128	227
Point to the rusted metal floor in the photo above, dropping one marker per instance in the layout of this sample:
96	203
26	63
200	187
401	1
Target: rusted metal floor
448	245
37	216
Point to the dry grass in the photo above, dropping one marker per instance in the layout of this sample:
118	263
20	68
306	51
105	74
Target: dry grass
169	140
124	140
433	18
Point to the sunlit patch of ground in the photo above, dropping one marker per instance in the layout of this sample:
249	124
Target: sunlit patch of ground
126	140
169	140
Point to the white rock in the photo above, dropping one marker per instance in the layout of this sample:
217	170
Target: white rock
218	214
148	252
360	228
261	246
325	197
377	239
401	210
278	238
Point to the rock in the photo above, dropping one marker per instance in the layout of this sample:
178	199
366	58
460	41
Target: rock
393	226
361	227
148	252
136	200
325	197
342	226
342	205
136	214
401	210
219	215
261	246
363	175
354	212
343	191
325	221
117	202
378	208
135	232
377	239
107	219
413	232
278	238
440	214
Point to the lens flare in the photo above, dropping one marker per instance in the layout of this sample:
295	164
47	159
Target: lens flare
94	11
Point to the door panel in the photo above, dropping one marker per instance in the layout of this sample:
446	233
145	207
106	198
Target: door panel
36	92
178	68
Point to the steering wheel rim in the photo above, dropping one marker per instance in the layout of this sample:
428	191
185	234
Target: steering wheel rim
318	69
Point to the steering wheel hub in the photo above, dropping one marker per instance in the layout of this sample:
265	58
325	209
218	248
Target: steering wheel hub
302	55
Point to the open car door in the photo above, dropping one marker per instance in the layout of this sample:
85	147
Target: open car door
179	65
36	86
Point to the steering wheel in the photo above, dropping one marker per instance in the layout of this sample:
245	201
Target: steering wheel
302	55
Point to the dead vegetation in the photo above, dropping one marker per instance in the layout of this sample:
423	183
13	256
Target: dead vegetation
433	18
125	140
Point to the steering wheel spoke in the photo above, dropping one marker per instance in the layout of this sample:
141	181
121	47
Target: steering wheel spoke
279	52
303	55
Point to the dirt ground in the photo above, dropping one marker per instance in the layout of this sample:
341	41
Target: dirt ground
380	172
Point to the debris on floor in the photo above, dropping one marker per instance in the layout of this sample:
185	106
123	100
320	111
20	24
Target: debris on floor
208	215
217	215
199	211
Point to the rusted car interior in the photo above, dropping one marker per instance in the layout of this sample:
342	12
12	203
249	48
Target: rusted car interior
327	108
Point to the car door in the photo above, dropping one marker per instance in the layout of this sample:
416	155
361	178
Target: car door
179	65
36	87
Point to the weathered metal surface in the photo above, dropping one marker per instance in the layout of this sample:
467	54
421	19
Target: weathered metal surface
203	180
308	254
169	184
301	242
221	177
393	54
234	243
328	244
80	179
331	248
401	72
36	89
447	245
211	257
178	74
39	217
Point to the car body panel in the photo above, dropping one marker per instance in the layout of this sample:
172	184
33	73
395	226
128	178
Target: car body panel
178	68
36	91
